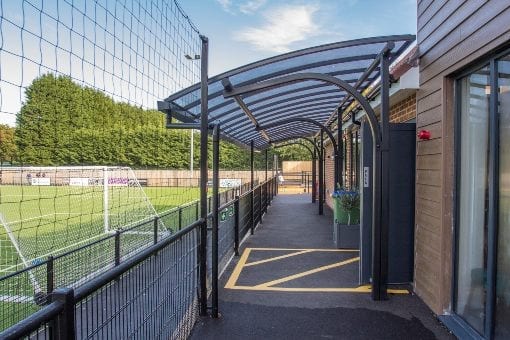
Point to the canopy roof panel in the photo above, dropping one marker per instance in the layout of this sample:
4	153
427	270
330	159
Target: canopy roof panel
355	62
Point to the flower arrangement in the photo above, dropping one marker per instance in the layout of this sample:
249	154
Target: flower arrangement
349	200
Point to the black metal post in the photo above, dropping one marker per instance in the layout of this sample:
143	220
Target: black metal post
321	174
260	204
267	165
64	326
50	275
215	220
180	218
351	161
381	192
357	175
339	157
252	200
117	247
236	226
314	173
156	222
204	130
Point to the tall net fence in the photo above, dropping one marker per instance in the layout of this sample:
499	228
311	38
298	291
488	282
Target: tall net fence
79	84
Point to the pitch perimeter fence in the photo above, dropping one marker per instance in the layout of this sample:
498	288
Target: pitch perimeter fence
150	294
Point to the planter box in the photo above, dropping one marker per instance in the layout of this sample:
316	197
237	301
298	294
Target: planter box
346	236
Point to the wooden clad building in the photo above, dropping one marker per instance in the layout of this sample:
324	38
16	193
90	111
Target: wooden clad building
462	192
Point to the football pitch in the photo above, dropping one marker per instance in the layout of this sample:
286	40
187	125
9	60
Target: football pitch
62	217
51	220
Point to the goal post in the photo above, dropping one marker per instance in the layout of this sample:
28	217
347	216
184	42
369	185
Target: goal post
49	211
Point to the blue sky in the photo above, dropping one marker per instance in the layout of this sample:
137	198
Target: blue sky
243	31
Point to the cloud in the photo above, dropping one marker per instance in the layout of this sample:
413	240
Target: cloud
225	4
283	26
251	6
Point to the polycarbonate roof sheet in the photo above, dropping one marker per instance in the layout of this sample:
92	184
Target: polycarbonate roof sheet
347	60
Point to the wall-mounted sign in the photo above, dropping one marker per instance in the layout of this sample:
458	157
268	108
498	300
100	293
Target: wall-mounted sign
366	177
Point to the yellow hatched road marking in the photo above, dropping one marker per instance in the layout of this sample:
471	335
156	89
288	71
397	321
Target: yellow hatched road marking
308	272
361	289
311	249
278	258
237	270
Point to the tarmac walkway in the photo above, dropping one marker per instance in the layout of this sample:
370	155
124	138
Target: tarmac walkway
291	283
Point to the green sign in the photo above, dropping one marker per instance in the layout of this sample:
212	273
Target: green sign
223	215
226	213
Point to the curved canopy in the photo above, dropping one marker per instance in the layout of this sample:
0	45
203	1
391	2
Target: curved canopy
355	62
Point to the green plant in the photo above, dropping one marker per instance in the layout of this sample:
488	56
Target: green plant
349	201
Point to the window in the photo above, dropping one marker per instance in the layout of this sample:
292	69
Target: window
482	256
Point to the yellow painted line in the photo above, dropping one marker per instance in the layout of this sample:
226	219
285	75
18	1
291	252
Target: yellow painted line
316	290
308	272
237	270
318	250
368	289
278	258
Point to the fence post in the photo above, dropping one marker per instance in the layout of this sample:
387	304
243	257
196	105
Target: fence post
156	222
252	213
260	204
117	247
236	226
64	325
50	275
196	210
180	218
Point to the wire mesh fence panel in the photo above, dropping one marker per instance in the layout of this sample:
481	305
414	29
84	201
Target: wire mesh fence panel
226	236
256	205
156	299
244	215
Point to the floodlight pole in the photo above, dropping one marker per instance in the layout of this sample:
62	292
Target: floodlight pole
204	127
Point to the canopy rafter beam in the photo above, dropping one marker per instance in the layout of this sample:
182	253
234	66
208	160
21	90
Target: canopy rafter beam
227	84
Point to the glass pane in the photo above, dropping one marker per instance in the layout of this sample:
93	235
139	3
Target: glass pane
503	268
472	221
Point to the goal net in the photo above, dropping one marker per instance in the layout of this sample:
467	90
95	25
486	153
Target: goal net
49	211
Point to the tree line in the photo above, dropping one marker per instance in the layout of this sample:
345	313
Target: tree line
63	123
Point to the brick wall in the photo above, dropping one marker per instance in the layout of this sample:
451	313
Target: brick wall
403	111
400	112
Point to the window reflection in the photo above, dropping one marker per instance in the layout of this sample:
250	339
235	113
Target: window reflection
503	265
472	217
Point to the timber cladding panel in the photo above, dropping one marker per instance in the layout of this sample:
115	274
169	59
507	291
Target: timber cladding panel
451	35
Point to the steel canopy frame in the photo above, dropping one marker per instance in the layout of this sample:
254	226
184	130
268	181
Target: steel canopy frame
320	66
381	168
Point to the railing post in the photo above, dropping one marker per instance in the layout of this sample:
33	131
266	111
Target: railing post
269	192
64	325
260	204
156	222
180	218
236	226
252	214
204	139
215	222
50	275
117	247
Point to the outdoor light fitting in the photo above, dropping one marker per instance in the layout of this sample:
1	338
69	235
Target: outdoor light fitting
196	57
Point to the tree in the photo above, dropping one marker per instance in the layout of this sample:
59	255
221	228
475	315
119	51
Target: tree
7	145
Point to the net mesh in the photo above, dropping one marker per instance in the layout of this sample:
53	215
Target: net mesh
48	211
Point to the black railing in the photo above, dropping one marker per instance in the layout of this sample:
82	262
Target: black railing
148	293
302	179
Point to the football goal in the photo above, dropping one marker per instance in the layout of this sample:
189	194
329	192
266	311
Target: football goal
49	211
